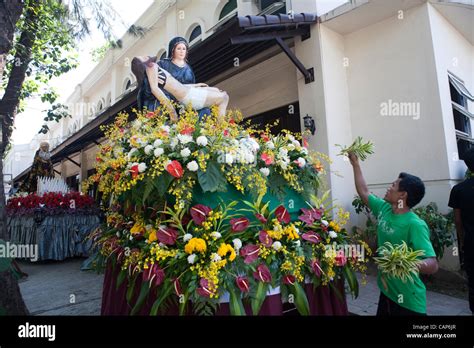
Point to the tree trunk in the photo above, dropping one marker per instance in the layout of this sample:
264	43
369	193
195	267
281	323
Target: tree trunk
11	301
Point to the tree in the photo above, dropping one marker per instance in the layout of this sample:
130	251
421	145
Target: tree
36	40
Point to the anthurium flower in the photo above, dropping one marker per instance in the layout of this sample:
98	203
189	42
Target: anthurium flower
177	287
340	259
166	235
315	266
311	237
289	279
262	274
265	239
154	274
243	284
199	213
310	215
175	169
187	130
239	224
134	170
265	137
204	289
249	253
261	218
282	215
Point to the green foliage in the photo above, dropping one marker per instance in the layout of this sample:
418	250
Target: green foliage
469	174
369	233
359	148
398	261
212	179
441	227
99	53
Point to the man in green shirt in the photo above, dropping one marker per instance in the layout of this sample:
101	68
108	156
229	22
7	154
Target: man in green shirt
397	223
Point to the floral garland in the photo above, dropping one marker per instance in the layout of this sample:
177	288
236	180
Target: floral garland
51	203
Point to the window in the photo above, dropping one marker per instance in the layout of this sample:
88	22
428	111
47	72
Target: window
272	7
228	8
288	117
195	35
462	117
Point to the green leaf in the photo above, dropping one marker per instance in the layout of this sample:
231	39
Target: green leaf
144	291
120	278
301	301
162	183
148	188
163	293
131	289
235	304
257	301
212	179
351	280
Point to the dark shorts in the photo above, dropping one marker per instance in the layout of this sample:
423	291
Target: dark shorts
387	307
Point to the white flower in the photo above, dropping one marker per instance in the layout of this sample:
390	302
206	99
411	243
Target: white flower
215	257
158	151
301	162
184	138
304	150
229	159
290	147
276	245
270	145
249	158
187	237
132	152
192	258
166	128
282	164
137	123
201	140
148	149
265	171
216	235
131	237
297	243
290	137
237	243
173	143
283	153
157	142
141	167
332	234
192	166
185	152
296	143
325	223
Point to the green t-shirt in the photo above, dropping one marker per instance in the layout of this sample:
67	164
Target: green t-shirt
395	228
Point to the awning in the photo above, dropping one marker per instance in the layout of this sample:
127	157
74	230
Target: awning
209	58
459	86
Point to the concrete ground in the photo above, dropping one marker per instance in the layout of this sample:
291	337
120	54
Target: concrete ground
61	288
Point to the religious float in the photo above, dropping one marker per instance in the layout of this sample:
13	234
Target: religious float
215	217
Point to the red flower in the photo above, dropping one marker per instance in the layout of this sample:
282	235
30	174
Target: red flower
185	220
249	253
134	170
199	213
204	289
117	176
98	159
175	169
262	274
340	259
310	215
226	132
289	279
150	114
265	239
232	121
239	224
311	237
166	235
243	284
154	274
316	267
305	143
282	215
261	218
188	130
265	137
177	287
268	159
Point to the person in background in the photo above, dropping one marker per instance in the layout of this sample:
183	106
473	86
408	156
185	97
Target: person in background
461	200
397	223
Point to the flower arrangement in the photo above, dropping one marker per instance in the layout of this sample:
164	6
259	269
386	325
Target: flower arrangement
159	231
147	160
51	203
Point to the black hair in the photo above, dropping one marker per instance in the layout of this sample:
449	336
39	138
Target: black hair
414	188
469	159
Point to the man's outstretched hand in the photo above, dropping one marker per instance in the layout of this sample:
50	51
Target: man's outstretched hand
353	159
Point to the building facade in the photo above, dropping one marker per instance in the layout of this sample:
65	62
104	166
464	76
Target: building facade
396	72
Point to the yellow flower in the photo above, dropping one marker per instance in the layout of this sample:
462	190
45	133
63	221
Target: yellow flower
137	228
152	236
195	244
226	248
